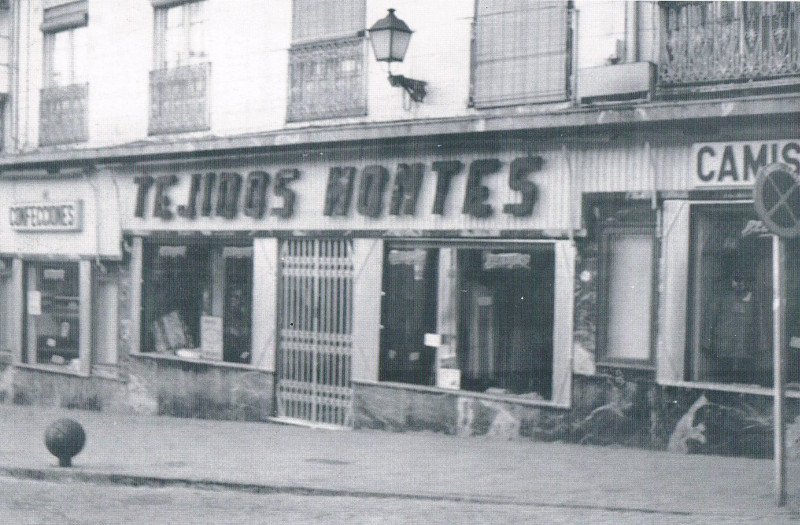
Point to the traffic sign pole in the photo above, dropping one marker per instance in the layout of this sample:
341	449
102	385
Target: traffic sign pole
779	363
776	199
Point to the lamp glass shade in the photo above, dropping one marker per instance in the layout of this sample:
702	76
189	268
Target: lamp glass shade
382	44
390	37
400	42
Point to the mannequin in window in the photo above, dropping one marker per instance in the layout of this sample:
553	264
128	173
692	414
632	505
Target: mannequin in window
730	335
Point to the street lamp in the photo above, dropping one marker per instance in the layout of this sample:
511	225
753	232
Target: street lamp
390	37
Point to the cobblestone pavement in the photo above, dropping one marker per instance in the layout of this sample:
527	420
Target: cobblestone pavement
28	502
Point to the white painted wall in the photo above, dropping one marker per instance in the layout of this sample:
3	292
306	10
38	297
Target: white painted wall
439	54
29	80
249	49
120	59
600	24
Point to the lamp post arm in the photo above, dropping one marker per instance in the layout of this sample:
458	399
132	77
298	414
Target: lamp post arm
415	88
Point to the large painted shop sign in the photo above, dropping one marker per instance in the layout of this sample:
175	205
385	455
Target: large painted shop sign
509	188
736	163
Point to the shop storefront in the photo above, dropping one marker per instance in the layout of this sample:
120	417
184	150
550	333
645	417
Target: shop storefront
727	265
680	320
61	254
604	293
327	278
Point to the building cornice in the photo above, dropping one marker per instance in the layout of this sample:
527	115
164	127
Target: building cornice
563	123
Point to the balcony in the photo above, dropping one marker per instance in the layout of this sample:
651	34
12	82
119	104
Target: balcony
179	99
62	115
714	46
326	80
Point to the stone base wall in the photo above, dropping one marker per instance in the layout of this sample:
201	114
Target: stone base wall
200	390
607	409
36	387
181	389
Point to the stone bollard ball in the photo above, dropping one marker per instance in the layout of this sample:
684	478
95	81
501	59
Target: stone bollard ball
64	438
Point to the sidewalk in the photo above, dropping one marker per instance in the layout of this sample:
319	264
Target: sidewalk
270	457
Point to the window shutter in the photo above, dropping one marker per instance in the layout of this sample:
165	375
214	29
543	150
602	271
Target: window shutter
520	52
16	312
327	19
265	297
66	16
368	265
563	322
673	284
85	317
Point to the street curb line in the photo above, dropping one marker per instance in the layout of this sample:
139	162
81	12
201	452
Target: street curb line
131	480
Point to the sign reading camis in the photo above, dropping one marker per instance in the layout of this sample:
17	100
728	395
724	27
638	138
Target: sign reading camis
446	187
718	164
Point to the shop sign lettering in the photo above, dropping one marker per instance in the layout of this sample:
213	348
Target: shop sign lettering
217	195
363	190
736	163
46	216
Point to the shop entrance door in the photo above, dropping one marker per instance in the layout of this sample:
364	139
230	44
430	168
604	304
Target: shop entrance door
315	320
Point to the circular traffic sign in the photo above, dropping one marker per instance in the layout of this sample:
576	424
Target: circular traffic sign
776	197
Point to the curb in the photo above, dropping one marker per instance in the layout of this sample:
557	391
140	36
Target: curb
58	475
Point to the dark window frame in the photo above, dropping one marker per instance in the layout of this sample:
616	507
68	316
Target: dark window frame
205	273
459	250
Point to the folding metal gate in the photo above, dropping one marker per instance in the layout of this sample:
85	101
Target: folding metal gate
315	346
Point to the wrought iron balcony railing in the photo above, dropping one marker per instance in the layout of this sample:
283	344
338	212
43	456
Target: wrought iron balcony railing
63	115
326	80
706	43
179	99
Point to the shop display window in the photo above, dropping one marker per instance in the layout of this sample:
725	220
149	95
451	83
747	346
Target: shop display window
198	301
53	314
472	319
625	329
731	297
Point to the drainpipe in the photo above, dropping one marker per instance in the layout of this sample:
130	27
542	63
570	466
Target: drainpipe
631	31
13	82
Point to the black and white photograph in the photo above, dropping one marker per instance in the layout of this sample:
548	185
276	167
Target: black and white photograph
399	262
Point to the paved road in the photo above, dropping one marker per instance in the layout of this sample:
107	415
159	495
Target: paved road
28	502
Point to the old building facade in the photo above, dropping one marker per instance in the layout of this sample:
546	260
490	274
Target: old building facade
223	209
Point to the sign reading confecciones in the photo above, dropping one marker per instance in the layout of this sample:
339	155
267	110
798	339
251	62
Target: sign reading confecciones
46	216
736	163
371	191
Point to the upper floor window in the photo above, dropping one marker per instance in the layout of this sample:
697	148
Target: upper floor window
521	52
180	33
65	57
713	42
326	60
63	106
180	79
65	44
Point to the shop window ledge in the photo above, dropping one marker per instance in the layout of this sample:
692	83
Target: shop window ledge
201	362
721	387
510	398
55	369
